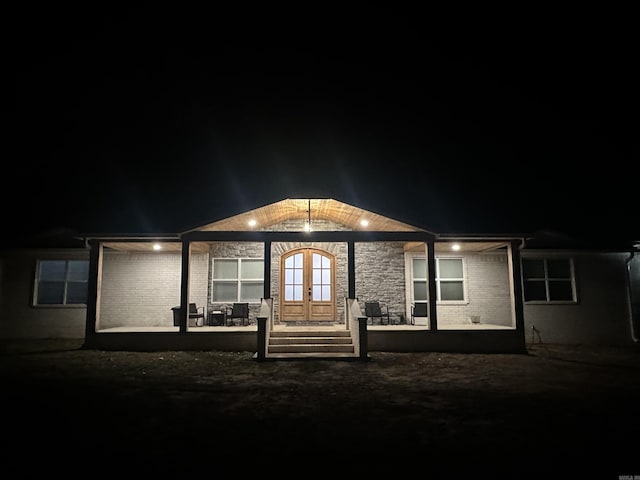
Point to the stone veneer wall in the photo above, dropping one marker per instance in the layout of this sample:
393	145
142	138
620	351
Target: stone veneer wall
380	275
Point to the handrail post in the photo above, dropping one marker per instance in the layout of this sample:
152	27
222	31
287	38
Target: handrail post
364	341
262	338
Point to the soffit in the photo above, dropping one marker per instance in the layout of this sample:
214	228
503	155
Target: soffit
303	209
464	247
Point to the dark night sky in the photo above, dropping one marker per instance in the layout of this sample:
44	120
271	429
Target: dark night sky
150	120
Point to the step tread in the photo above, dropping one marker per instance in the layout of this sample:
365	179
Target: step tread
306	333
317	340
310	347
312	355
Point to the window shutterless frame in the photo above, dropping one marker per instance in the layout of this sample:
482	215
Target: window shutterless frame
61	282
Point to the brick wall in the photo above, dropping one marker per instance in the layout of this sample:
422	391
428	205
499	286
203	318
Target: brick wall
139	289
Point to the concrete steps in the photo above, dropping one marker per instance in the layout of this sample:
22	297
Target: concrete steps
310	343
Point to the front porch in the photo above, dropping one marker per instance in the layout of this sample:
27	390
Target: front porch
390	338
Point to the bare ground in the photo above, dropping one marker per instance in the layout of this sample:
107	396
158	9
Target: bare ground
558	410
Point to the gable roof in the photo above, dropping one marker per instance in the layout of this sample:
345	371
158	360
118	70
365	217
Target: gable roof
302	209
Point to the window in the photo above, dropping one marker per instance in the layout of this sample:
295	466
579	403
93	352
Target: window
61	282
419	268
548	280
237	279
449	279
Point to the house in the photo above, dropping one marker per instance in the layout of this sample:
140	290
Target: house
306	268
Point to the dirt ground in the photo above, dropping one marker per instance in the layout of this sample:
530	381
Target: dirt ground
558	410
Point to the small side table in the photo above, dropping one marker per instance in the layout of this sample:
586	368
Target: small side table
217	317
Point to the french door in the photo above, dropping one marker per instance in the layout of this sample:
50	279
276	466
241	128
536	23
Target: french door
307	286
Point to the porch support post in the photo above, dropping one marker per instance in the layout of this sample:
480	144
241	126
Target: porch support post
517	306
431	276
267	269
93	288
351	269
364	339
184	284
261	354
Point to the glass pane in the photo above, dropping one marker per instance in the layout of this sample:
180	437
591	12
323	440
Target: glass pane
532	268
50	293
558	269
225	291
420	291
78	271
317	292
325	262
451	291
297	277
534	290
225	269
560	290
77	293
298	260
326	292
288	277
317	260
52	270
317	276
326	277
450	268
419	268
288	293
252	268
251	291
297	292
288	262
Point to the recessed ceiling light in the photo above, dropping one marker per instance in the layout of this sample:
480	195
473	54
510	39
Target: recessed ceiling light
157	246
252	223
364	223
455	247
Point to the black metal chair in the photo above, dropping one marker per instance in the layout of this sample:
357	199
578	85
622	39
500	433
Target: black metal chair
239	311
196	312
373	310
418	310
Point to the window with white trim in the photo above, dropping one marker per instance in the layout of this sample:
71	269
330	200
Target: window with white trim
449	279
237	280
548	280
61	282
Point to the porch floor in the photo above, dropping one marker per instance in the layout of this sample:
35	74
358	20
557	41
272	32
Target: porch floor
306	328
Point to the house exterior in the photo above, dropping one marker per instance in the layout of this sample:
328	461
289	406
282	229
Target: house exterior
309	265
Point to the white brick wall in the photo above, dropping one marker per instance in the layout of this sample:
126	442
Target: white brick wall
487	290
139	289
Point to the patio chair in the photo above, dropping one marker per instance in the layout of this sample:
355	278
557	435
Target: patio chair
196	312
239	311
418	310
373	310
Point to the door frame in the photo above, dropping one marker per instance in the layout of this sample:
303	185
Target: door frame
306	315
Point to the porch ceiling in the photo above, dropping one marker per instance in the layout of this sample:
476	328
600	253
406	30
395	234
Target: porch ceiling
302	209
203	247
464	247
196	247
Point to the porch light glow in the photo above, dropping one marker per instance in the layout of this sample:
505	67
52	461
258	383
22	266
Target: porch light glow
252	223
455	247
157	246
364	222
